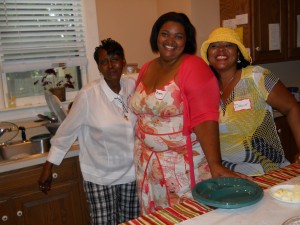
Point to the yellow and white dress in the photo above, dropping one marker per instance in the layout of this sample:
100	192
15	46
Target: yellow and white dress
249	140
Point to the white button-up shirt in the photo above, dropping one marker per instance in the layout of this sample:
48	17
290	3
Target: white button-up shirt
105	132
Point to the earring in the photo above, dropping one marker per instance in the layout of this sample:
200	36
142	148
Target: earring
239	61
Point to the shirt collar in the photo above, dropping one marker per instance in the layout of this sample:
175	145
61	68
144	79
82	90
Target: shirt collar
108	92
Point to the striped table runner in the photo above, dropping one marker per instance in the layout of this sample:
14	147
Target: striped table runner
191	208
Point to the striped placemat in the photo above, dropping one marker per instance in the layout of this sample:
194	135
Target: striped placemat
190	208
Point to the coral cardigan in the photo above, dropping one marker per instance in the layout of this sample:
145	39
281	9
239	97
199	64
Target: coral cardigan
200	93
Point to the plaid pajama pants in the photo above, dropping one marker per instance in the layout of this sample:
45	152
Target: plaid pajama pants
112	204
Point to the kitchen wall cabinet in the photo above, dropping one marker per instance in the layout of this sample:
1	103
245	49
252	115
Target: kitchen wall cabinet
286	138
22	203
270	31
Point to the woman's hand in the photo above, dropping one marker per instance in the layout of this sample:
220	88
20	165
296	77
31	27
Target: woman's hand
221	171
45	179
297	158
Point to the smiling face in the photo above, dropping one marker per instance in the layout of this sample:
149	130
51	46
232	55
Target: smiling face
222	55
111	66
171	41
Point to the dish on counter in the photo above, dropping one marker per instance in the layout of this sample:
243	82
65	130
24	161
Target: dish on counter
227	192
286	193
55	106
292	221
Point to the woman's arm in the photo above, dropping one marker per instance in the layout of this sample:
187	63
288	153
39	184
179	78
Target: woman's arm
208	135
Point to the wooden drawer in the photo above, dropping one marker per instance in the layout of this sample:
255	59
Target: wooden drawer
24	180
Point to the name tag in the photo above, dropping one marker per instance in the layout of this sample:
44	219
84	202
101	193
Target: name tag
242	105
160	94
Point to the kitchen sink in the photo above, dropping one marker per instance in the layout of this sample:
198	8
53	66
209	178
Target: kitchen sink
21	149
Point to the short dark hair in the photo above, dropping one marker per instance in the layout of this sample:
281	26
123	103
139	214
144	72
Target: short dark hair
190	46
112	48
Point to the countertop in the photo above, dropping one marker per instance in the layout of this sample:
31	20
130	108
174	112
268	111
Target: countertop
14	164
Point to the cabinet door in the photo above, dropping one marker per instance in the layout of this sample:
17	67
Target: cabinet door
286	137
269	18
65	204
230	9
61	206
6	218
293	26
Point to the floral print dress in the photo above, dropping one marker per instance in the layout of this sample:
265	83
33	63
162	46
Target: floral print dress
162	166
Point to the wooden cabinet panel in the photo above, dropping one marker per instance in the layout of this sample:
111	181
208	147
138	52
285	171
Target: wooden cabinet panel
60	207
286	138
24	204
294	11
6	216
25	180
263	14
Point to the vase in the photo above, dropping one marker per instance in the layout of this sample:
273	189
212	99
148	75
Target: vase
60	92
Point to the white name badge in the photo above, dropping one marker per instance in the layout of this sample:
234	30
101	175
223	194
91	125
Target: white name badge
160	94
242	105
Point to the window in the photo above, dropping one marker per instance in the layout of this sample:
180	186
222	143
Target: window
37	35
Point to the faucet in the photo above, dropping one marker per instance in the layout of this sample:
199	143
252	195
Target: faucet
23	134
3	130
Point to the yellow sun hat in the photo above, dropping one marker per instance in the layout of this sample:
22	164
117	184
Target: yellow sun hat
223	34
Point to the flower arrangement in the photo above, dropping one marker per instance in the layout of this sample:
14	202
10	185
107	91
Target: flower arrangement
55	81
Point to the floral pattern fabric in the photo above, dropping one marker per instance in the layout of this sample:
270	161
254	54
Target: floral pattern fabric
161	155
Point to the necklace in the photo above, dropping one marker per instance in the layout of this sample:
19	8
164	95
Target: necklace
123	105
226	86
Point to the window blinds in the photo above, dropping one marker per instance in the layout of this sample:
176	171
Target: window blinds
40	34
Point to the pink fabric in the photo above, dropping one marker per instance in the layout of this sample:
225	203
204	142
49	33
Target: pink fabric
193	85
196	80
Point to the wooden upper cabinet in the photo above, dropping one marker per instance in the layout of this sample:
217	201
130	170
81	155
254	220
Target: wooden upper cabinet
293	13
271	30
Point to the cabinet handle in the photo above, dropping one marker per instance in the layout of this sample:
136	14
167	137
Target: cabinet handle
54	175
257	49
20	213
279	131
4	218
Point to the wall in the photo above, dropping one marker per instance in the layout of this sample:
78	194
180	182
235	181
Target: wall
133	31
128	22
164	6
288	72
205	17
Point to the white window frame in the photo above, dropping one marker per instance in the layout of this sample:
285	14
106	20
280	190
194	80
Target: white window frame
17	65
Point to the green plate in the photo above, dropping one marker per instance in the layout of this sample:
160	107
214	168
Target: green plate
227	192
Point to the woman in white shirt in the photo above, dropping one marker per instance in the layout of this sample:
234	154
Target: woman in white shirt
103	124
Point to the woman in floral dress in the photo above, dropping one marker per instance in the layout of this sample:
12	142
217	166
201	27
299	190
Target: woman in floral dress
176	101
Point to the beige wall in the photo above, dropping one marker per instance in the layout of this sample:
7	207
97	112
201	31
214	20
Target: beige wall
205	18
130	23
164	6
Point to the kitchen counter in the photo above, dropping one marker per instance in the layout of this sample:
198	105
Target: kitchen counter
14	164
